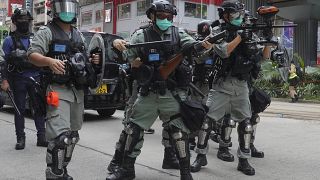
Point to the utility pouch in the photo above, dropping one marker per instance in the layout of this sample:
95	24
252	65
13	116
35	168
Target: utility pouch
53	98
259	100
192	112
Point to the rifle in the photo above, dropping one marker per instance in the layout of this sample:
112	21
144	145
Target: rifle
169	66
252	25
9	92
148	44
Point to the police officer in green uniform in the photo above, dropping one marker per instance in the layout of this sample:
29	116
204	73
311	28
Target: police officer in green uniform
170	160
60	46
155	98
201	70
229	93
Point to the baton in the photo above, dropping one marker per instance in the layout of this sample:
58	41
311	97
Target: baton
9	92
194	87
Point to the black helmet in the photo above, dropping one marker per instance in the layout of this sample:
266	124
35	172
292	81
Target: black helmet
230	7
204	28
21	14
161	6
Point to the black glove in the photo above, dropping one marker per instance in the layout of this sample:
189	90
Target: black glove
190	48
267	34
245	34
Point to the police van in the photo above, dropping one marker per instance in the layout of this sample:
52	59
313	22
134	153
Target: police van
112	91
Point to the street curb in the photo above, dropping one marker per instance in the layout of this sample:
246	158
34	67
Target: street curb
299	101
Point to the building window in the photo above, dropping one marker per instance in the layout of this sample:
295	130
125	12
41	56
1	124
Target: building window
99	16
39	11
194	10
88	2
108	12
142	7
86	18
124	11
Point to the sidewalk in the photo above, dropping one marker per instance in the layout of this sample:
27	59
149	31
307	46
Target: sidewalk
299	111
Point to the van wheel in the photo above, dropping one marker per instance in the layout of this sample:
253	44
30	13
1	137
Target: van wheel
106	112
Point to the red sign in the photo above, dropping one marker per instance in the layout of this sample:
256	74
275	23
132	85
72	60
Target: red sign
318	60
13	4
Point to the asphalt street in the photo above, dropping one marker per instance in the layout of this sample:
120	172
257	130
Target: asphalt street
288	134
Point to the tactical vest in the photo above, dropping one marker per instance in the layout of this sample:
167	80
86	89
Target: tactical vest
156	56
63	47
17	60
241	61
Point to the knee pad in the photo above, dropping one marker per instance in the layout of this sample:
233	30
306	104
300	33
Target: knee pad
134	135
255	119
204	132
245	131
56	154
180	141
74	139
245	127
226	128
166	140
122	141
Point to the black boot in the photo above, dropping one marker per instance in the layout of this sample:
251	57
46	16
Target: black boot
192	143
255	153
201	160
245	167
225	155
66	176
126	172
170	160
21	143
115	162
42	141
185	173
118	153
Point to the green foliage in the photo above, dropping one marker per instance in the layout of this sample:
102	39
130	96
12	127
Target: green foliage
299	60
270	81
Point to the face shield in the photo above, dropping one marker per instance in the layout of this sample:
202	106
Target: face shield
66	10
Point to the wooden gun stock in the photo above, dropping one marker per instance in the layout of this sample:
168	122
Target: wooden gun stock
167	68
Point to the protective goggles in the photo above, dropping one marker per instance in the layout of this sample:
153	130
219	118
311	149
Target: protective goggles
237	15
163	15
69	6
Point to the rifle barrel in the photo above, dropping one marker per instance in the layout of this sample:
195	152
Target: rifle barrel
217	37
148	44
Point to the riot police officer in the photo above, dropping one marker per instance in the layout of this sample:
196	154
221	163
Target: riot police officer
21	75
60	46
201	69
229	92
155	97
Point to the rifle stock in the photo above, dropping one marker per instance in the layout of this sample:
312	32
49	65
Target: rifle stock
167	68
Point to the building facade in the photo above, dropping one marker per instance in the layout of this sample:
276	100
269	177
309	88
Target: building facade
123	17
